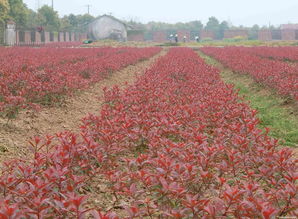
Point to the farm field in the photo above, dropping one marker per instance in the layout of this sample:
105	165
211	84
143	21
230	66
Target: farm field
31	77
64	115
175	141
276	74
286	53
276	112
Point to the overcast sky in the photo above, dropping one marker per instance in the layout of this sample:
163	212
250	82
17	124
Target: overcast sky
245	12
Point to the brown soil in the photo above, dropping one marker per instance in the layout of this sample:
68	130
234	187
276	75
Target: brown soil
14	136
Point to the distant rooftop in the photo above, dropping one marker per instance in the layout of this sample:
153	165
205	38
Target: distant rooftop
289	26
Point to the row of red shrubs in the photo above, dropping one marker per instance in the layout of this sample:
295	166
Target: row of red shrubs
30	77
279	75
178	144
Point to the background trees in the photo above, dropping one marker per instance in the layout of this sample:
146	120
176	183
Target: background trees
18	12
49	19
4	9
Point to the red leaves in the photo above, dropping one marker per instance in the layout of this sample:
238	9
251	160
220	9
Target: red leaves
177	143
43	75
256	61
269	212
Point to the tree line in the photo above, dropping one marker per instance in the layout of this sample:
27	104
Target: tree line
49	20
216	26
45	17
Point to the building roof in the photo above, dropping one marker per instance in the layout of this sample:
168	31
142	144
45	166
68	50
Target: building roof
112	17
289	26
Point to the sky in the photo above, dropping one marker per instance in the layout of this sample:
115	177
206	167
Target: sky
237	12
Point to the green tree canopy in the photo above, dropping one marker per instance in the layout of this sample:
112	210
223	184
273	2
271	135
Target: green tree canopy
4	10
83	21
49	18
192	25
212	24
18	12
32	19
216	27
253	32
222	28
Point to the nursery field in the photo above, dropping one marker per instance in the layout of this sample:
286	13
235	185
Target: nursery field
171	138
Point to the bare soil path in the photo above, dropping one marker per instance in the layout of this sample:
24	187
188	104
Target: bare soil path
15	135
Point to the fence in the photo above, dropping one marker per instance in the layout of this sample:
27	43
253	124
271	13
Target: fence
12	37
32	38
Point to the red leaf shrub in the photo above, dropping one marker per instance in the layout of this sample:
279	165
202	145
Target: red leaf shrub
30	75
178	144
285	53
276	74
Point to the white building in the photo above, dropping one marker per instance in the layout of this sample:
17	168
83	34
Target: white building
107	27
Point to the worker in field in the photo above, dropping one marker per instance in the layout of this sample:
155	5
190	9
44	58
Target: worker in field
171	37
184	39
176	38
197	38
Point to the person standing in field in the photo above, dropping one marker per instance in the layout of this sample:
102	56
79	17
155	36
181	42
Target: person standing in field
171	37
197	39
184	39
176	38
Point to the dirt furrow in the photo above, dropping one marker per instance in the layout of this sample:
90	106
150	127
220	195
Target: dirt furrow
14	136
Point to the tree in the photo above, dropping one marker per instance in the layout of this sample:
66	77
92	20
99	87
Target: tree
73	20
83	21
32	19
65	24
212	24
49	18
18	12
253	32
4	10
195	25
222	28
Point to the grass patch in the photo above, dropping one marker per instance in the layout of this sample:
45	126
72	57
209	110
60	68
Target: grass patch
276	112
241	42
167	44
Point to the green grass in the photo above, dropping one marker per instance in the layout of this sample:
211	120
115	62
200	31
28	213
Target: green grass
228	42
278	113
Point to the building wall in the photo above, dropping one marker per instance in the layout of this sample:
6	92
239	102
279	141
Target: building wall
288	34
289	26
159	36
207	34
56	37
265	35
10	35
106	27
72	36
82	36
61	37
234	33
276	34
66	37
27	37
136	37
37	37
47	37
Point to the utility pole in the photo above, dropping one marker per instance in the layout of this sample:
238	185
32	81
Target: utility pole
53	4
88	8
37	4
